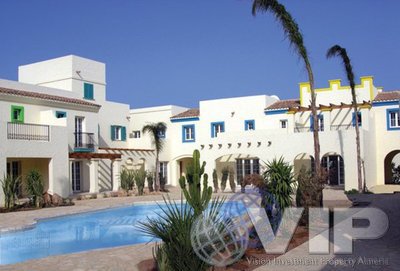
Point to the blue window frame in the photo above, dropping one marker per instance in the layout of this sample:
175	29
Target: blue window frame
353	119
393	119
88	92
249	125
188	133
320	122
161	134
118	133
216	128
61	114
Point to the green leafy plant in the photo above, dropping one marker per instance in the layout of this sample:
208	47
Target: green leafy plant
34	187
232	183
224	179
351	192
163	182
10	187
191	185
127	178
140	179
150	178
215	180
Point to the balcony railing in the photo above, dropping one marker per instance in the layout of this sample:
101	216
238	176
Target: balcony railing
302	129
342	127
84	142
28	131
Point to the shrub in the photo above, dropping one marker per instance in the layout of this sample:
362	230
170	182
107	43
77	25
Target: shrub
252	179
215	180
34	187
10	187
150	182
163	182
140	178
225	174
351	192
232	183
127	179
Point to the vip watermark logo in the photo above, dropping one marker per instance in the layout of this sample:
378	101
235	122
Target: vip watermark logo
222	239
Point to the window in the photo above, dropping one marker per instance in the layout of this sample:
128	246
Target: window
118	133
249	125
216	128
88	91
283	124
61	114
320	123
353	121
136	134
246	167
393	119
164	172
17	113
188	134
161	133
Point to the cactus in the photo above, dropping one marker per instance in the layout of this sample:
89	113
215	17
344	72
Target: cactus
215	180
232	183
191	185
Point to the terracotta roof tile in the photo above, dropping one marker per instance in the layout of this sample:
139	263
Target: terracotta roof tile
284	104
387	96
191	113
91	155
43	96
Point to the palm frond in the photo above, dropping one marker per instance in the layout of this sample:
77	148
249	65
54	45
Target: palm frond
341	52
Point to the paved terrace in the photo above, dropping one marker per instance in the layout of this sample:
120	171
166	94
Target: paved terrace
116	259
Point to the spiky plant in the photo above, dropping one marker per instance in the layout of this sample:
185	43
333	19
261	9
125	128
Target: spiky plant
338	51
34	187
140	179
150	182
215	180
155	130
127	178
293	34
11	186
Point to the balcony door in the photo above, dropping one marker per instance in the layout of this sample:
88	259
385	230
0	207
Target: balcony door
78	131
76	173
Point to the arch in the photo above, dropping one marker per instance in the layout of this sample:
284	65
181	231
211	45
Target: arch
303	160
333	163
392	167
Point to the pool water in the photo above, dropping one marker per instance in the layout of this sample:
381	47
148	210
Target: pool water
81	232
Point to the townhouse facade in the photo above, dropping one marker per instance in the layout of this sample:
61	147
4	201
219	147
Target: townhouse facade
56	119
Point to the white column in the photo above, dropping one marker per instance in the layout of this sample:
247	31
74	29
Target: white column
115	167
93	176
51	176
3	172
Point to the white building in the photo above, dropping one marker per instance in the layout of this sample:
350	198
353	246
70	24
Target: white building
56	119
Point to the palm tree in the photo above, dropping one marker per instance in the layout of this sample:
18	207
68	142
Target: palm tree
336	50
155	131
293	33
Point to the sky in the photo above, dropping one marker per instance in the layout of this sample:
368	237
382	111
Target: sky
180	52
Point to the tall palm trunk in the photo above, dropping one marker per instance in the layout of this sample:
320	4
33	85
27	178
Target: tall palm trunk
336	50
157	179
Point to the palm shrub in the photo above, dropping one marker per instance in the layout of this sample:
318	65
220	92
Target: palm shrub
232	183
150	178
163	182
225	175
280	185
215	180
10	187
127	178
34	187
140	179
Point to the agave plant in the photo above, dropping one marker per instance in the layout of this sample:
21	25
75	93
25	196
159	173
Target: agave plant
10	187
34	187
140	179
127	178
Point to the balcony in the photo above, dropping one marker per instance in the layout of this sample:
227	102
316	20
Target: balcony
342	127
28	131
302	129
84	142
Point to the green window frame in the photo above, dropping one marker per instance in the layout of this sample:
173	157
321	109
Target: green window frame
61	114
118	133
88	92
17	114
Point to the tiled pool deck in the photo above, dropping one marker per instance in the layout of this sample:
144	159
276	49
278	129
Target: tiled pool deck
121	258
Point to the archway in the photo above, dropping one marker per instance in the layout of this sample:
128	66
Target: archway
303	160
334	166
392	167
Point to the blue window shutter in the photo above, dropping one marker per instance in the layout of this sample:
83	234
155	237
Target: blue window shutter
311	123
194	133
353	119
123	133
88	91
112	132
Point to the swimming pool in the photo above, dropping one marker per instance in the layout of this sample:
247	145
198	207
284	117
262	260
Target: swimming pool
80	232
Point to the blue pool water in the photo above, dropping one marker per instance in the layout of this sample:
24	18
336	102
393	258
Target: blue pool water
81	232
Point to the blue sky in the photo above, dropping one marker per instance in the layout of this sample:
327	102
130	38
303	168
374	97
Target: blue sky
179	52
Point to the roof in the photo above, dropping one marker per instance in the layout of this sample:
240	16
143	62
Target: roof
43	96
284	104
387	96
191	113
91	155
